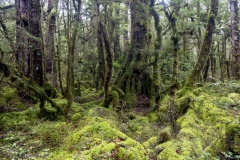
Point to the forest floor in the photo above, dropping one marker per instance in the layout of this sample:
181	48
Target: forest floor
202	123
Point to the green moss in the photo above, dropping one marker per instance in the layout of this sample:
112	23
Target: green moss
233	138
114	97
50	134
20	106
169	151
18	120
201	128
9	93
226	101
165	135
61	155
76	117
99	138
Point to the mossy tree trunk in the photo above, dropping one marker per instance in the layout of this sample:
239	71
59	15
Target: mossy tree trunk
235	39
108	66
71	49
101	60
172	18
206	46
50	54
157	82
223	60
136	78
29	42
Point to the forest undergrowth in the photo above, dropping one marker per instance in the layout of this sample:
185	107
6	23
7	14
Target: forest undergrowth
202	123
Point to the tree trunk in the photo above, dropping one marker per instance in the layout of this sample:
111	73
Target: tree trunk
235	39
108	66
71	50
136	75
29	57
206	46
223	60
50	54
157	82
175	36
100	68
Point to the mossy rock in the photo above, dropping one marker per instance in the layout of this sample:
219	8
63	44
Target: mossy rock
201	128
165	135
226	101
233	138
100	139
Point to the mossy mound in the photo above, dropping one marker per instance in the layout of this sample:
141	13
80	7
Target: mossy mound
99	138
202	129
10	101
18	120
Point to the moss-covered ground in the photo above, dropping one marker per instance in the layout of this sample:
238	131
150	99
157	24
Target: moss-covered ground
201	123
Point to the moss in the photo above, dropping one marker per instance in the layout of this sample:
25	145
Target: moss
98	139
169	151
18	120
165	135
152	117
233	138
201	128
76	117
114	97
226	101
61	155
20	106
50	134
197	91
9	93
89	97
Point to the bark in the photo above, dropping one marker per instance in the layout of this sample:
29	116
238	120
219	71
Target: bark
125	33
28	39
136	72
71	50
157	82
172	18
50	54
206	46
108	66
100	47
223	61
235	39
116	36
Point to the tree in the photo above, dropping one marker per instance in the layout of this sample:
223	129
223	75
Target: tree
29	42
136	77
235	39
50	56
71	49
206	46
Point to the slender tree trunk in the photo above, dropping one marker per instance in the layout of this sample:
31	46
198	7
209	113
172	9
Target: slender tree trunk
235	39
100	47
223	60
71	50
50	54
175	37
206	46
157	82
108	66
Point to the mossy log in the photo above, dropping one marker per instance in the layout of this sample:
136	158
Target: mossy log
23	83
39	91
